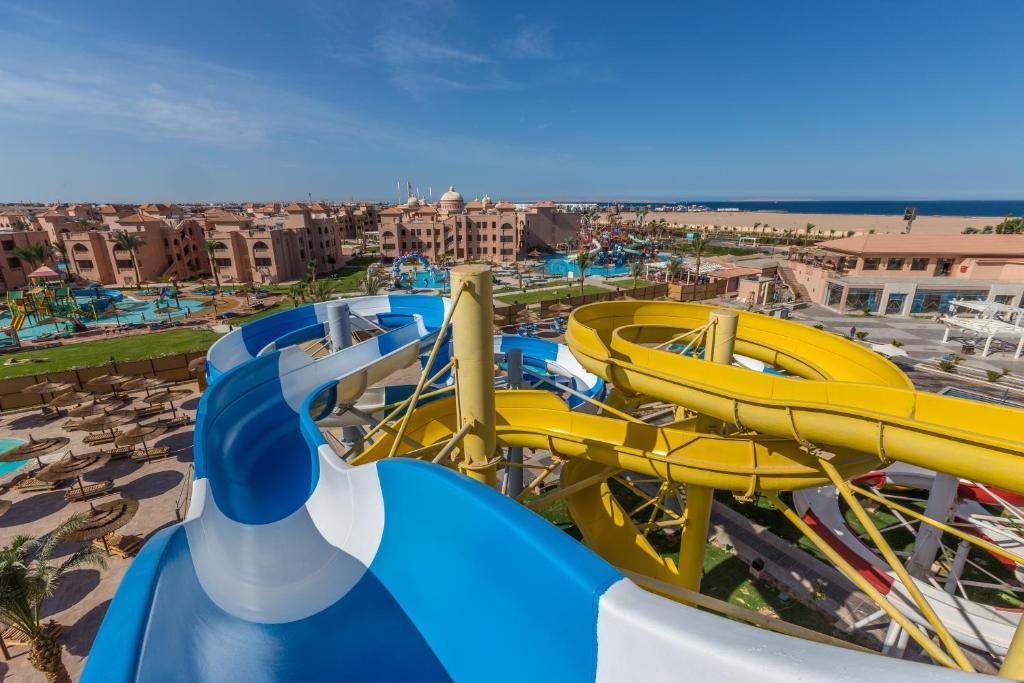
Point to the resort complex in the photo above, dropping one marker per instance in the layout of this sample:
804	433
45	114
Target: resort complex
621	410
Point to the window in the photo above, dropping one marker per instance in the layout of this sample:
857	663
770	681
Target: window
937	300
894	306
223	262
894	264
84	264
7	245
834	294
260	246
871	263
1006	299
262	262
123	264
13	262
919	264
863	298
943	267
79	248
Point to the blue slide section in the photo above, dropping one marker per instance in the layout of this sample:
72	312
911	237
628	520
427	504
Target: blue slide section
293	566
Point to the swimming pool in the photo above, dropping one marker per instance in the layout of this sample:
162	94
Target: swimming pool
6	445
129	311
559	264
425	279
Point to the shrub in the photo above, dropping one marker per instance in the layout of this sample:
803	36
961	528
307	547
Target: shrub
993	375
862	335
819	326
947	365
897	343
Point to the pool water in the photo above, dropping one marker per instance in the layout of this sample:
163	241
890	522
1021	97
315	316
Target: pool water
559	264
6	445
425	280
135	310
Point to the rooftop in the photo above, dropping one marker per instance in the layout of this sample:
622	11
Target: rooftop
929	245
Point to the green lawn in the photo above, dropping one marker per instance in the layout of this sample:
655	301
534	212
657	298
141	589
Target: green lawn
87	354
560	293
627	282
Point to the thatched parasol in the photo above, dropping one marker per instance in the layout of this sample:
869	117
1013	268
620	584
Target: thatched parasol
47	387
5	505
560	307
168	396
105	518
146	383
526	315
73	466
106	422
110	380
34	448
166	310
72	398
139	434
101	406
197	364
535	253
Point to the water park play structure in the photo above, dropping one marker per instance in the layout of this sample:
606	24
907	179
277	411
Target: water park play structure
614	247
430	276
390	552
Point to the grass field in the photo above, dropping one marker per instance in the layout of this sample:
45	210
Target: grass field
542	295
627	282
88	354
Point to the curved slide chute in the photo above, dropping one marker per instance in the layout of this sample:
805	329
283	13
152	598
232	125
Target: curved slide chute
293	565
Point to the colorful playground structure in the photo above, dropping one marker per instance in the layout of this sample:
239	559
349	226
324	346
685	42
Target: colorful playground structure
338	530
614	246
406	279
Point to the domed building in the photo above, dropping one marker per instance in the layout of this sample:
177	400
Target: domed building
452	201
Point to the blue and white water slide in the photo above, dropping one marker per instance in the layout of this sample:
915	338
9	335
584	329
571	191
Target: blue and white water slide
294	566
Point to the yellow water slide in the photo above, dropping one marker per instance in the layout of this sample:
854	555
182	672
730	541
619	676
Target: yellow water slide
845	403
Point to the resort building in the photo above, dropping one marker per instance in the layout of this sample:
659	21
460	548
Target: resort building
479	230
909	274
14	271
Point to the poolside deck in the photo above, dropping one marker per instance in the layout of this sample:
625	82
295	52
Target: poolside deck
84	596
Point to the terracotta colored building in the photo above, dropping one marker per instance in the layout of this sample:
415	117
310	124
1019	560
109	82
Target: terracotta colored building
13	271
897	274
478	230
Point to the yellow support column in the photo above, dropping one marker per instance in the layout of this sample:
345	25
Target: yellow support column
473	351
1013	664
718	348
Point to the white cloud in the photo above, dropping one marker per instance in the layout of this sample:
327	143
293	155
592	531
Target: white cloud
402	49
532	42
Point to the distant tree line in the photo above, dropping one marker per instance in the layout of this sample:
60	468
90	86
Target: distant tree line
1009	226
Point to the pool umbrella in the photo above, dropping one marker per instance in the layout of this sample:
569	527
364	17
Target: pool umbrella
97	407
105	518
166	310
534	253
43	388
138	435
72	398
145	383
34	448
106	422
526	315
108	379
73	466
168	396
560	307
197	364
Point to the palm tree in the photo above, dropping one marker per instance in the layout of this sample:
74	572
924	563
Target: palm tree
129	243
211	246
33	254
319	290
311	270
60	248
697	245
297	294
583	261
675	266
636	269
27	579
372	282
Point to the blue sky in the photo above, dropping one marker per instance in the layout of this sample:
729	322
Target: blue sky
800	99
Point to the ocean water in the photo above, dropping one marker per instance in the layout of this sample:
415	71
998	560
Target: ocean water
994	208
6	445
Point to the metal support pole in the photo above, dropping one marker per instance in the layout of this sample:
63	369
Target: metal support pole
339	329
719	342
941	499
1013	664
956	569
514	473
339	325
473	351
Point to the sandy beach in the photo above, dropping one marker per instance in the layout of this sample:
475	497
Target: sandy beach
824	222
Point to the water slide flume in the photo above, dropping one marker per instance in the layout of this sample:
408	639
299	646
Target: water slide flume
295	565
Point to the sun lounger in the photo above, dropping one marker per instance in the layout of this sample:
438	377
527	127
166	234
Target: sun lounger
153	454
14	636
179	421
30	484
88	491
117	544
100	438
119	452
